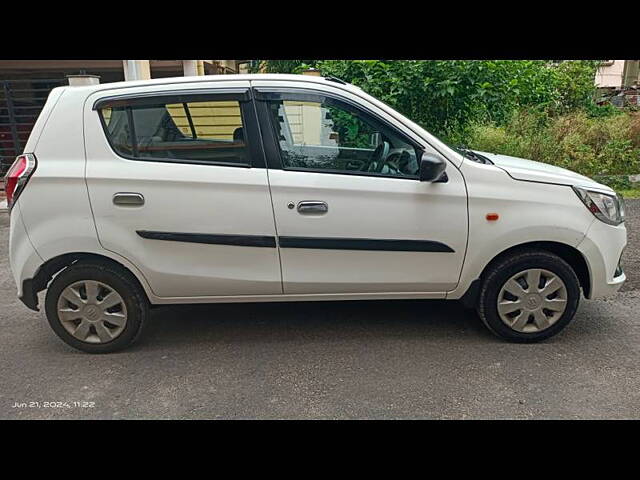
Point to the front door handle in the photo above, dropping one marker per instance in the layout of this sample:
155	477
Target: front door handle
127	199
312	206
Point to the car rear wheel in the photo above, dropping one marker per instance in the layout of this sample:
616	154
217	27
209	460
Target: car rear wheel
96	308
529	296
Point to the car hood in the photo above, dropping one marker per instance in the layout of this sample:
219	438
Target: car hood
529	170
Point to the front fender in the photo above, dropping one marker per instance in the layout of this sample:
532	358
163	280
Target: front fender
527	212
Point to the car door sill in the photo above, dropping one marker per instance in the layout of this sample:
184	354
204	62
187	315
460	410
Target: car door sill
307	297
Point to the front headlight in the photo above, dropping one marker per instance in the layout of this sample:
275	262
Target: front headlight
605	206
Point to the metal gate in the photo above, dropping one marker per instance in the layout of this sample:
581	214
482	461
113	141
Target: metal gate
20	104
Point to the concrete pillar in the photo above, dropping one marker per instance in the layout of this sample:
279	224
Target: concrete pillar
136	69
79	80
631	73
190	68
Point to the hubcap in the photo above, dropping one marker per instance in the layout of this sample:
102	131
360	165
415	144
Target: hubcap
532	300
92	311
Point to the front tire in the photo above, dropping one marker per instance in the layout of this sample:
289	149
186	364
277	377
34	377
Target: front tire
96	307
529	296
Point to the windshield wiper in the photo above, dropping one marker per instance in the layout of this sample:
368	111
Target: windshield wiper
476	157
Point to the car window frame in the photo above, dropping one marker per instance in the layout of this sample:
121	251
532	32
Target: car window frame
242	95
264	94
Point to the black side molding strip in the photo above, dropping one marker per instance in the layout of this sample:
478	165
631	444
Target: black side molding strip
364	244
236	240
301	242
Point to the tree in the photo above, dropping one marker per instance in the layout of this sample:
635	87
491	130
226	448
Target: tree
447	96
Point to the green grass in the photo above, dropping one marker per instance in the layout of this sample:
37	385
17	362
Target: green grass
630	193
602	148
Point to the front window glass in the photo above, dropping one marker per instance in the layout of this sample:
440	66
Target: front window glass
327	136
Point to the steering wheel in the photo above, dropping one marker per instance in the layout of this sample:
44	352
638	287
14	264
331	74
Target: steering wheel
380	154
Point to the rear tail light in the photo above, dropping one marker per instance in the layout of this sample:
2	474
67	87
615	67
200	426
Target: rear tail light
17	177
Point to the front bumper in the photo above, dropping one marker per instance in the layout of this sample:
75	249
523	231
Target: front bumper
602	248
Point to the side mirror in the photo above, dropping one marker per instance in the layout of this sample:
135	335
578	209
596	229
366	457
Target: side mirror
432	168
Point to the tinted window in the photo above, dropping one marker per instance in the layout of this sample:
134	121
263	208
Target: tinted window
330	136
117	125
203	131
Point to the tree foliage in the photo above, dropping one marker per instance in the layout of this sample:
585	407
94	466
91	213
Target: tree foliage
534	109
448	96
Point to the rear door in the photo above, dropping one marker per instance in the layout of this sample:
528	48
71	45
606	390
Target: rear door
177	185
351	213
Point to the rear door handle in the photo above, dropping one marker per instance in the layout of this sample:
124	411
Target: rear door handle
126	199
312	206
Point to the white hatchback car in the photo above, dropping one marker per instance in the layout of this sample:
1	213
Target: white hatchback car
253	188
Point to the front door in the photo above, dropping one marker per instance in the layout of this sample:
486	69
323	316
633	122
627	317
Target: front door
351	213
177	185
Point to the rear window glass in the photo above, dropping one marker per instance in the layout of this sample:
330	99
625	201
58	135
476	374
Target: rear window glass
202	131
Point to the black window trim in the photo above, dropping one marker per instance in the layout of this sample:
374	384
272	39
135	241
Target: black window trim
242	95
272	147
187	112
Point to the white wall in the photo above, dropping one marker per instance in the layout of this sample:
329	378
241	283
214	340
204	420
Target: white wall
610	75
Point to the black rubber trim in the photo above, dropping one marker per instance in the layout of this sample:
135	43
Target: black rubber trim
234	240
364	244
240	94
470	297
301	242
29	297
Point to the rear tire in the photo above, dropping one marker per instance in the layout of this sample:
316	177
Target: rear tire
96	307
532	312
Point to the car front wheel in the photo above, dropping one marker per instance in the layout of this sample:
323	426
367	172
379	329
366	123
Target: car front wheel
529	296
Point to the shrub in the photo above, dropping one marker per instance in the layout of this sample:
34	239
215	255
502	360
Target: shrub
446	96
588	145
533	109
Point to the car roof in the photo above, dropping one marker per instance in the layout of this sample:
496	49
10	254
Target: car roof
87	89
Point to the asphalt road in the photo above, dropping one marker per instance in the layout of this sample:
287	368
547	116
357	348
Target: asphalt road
400	359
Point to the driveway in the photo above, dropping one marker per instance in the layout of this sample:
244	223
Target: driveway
388	359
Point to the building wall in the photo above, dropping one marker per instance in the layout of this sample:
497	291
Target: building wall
212	120
610	75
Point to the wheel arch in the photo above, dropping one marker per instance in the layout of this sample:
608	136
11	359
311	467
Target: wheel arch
43	276
569	254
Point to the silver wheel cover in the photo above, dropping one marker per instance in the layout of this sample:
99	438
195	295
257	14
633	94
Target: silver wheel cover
532	300
92	311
